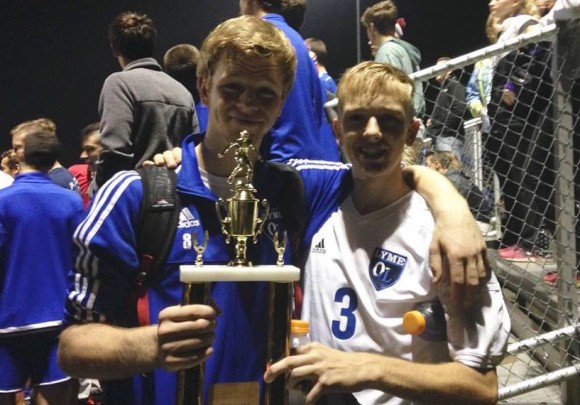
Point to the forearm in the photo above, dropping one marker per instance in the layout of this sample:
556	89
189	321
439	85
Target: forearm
447	383
105	352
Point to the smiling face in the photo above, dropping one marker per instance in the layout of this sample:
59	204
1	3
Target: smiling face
375	120
242	94
245	71
91	149
373	134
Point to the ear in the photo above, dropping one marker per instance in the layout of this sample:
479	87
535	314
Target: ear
203	90
337	131
114	51
413	130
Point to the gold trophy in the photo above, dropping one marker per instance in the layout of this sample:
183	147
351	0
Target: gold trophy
243	221
242	217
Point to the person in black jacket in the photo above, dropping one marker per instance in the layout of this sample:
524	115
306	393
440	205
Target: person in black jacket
521	93
446	123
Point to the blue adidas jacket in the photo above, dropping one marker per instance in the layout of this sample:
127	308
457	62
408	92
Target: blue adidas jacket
37	220
106	242
301	130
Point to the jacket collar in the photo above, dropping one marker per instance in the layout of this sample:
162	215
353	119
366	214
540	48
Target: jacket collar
143	63
32	176
189	179
273	17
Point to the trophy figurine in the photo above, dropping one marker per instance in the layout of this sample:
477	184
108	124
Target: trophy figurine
239	215
242	217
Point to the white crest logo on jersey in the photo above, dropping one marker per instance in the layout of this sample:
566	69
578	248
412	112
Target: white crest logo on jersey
319	248
186	219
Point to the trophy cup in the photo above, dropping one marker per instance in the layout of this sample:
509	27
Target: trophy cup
242	217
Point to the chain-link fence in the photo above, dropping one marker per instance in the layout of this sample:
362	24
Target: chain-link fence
502	124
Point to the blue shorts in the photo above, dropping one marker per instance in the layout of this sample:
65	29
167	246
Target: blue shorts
32	356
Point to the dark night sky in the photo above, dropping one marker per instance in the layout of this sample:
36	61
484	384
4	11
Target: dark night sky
56	56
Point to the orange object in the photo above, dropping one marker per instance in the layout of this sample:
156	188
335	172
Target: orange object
299	326
414	323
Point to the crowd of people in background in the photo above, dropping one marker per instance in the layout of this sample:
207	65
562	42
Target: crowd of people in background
256	72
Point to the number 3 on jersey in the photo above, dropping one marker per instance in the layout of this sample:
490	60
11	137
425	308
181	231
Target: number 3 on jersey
344	327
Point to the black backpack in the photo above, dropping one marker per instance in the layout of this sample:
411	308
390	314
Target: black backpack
158	217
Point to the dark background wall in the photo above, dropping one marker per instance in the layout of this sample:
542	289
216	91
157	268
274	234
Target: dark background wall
55	54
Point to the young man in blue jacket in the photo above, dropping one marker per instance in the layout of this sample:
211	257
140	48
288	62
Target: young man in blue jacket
37	220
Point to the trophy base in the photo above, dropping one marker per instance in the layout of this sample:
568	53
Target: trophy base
190	273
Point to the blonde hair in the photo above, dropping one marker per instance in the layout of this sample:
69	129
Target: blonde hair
493	25
374	78
411	153
492	29
40	124
529	7
247	37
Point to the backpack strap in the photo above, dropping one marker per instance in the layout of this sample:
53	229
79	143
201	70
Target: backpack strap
291	199
158	217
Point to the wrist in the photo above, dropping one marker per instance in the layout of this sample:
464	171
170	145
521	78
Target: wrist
375	373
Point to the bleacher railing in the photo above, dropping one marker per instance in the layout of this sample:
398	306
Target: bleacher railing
540	282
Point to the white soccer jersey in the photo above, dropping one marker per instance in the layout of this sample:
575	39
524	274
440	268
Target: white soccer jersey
365	271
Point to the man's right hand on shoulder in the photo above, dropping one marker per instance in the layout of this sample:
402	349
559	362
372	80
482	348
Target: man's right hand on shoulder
185	335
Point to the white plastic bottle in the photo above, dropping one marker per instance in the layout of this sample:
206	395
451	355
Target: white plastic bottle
299	336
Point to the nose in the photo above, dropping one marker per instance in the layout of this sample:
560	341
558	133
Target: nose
372	129
248	99
84	154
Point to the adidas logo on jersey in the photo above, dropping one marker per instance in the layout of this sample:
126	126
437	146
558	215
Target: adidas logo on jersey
319	248
186	219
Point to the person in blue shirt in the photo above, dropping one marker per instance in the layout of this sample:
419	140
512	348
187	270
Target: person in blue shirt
246	70
58	174
180	62
37	220
318	54
301	130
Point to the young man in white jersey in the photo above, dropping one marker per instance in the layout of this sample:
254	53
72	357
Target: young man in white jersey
368	265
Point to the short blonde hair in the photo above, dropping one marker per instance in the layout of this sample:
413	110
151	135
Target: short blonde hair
248	36
40	124
374	78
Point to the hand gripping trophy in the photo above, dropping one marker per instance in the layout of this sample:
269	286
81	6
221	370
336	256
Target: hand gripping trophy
242	217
